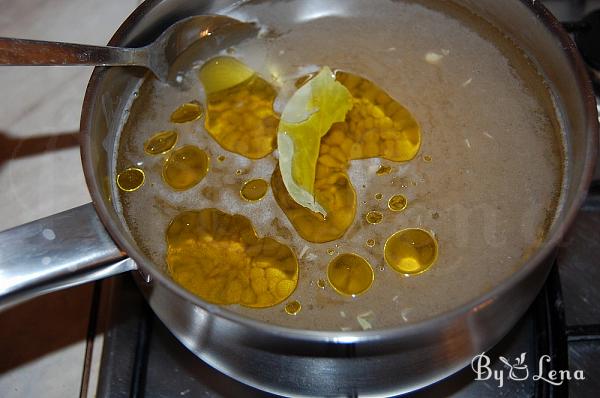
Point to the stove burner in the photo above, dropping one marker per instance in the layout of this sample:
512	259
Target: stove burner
141	359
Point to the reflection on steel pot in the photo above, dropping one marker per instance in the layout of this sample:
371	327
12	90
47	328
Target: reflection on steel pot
91	242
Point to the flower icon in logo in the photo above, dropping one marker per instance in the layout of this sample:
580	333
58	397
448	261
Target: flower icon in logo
519	370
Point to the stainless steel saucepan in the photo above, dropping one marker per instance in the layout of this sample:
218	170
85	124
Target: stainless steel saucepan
90	242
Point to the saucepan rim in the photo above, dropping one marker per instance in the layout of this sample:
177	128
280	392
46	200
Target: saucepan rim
120	236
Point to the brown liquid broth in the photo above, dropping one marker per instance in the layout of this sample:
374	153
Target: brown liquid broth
492	200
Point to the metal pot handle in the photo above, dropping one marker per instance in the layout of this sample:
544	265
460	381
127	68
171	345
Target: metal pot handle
57	252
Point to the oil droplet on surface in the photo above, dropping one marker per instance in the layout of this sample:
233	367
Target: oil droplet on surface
254	190
411	251
239	109
187	112
335	194
185	167
377	126
293	307
349	274
397	203
331	252
435	215
384	170
220	258
161	142
239	172
221	158
427	158
374	217
378	196
321	283
130	179
371	243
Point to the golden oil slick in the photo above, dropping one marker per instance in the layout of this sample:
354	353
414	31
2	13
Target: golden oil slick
397	203
187	112
130	179
350	274
254	190
374	217
293	307
220	258
411	251
376	127
185	167
335	194
378	196
239	109
161	142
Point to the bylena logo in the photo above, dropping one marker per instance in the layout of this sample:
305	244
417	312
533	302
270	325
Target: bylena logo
519	371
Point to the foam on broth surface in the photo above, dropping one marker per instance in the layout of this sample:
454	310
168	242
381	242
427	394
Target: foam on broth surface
485	182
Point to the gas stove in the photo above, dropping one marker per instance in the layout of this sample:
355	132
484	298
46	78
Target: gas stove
561	330
128	352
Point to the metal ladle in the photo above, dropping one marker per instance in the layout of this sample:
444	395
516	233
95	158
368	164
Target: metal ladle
176	49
